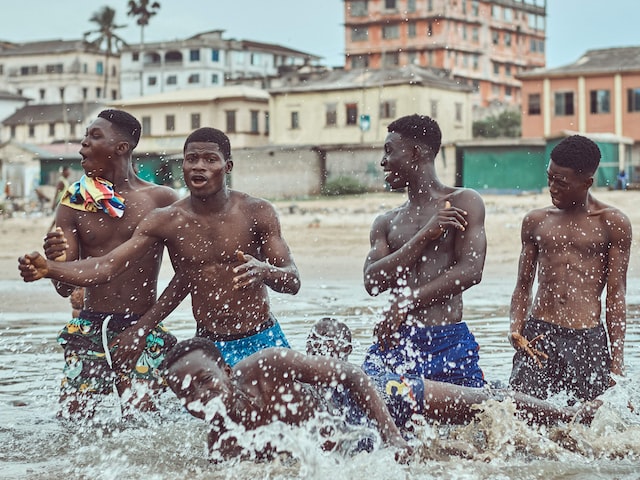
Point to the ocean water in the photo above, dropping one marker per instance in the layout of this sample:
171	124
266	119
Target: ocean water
170	444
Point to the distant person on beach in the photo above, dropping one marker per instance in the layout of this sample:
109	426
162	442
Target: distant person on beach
426	253
577	247
226	247
96	214
61	186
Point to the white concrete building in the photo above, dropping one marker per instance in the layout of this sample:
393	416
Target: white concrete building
203	60
58	71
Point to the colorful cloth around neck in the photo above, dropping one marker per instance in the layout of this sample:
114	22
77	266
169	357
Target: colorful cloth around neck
93	194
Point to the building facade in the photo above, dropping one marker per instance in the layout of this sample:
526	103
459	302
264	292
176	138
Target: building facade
484	44
355	106
59	71
203	60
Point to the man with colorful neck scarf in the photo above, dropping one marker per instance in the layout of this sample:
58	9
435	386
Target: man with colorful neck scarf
95	215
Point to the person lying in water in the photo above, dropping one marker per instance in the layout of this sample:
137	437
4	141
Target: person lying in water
409	395
273	385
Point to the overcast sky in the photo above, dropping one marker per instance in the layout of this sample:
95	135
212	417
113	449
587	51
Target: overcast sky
313	26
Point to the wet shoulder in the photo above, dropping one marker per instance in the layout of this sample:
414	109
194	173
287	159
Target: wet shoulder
158	195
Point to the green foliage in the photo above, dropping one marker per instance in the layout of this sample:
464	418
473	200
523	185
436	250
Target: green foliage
344	185
507	124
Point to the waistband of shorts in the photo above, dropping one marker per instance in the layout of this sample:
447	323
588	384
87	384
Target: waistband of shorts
216	337
102	316
564	331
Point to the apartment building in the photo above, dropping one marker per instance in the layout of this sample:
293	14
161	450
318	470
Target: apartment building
58	71
484	44
203	60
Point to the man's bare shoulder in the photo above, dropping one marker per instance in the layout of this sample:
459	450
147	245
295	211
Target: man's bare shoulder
159	195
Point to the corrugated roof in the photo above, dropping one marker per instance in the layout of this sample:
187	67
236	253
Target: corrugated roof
48	47
597	61
362	78
52	113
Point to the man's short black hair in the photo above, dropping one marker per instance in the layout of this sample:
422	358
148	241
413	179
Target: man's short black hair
125	124
213	135
578	153
192	345
421	128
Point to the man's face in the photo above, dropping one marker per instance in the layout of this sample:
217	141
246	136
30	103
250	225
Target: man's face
396	161
566	187
196	380
204	168
98	148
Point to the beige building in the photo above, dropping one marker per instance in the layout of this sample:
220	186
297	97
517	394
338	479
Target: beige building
167	118
355	106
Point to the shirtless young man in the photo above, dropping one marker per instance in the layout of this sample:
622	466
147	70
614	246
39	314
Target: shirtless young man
426	253
578	246
227	249
89	228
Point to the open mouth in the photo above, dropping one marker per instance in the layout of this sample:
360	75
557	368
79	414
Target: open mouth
198	180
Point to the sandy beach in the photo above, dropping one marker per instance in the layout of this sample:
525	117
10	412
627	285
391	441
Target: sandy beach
328	236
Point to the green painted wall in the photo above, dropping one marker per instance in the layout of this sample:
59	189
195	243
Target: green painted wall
504	168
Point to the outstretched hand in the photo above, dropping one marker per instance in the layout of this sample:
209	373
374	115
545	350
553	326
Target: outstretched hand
521	343
32	266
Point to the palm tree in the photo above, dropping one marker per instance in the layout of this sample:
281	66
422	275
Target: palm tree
144	11
106	35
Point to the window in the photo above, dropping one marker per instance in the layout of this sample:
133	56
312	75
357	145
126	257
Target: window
194	78
114	94
231	121
255	128
390	4
359	34
146	126
360	61
52	129
412	58
429	29
194	55
411	6
458	107
99	68
151	81
32	130
41	92
495	38
352	113
31	70
98	92
508	91
633	100
496	68
215	55
411	29
72	129
135	57
85	93
295	120
507	39
331	114
475	8
391	59
56	68
215	79
600	101
475	35
170	123
172	80
507	70
563	103
390	31
388	109
534	104
359	8
266	123
13	131
195	121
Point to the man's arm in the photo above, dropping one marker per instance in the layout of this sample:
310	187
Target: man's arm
616	306
62	244
130	343
94	271
329	372
470	249
278	270
383	268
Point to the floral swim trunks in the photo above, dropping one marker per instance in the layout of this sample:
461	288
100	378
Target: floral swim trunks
86	367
